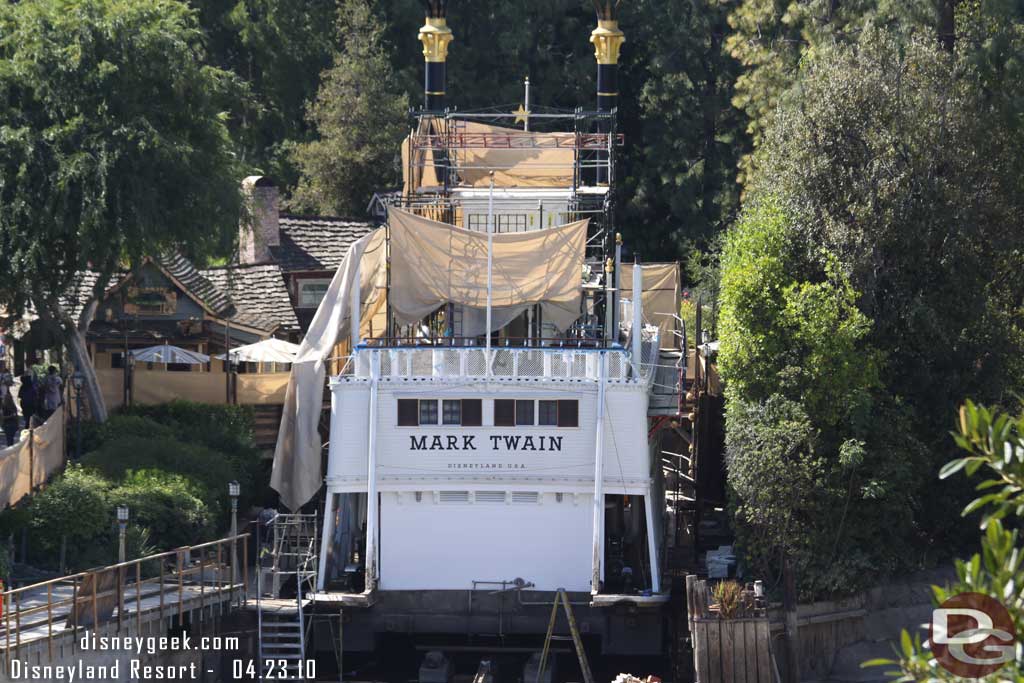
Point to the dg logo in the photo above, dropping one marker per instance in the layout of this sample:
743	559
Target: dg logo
972	635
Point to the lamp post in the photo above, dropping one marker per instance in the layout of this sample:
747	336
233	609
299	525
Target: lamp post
76	381
122	527
234	490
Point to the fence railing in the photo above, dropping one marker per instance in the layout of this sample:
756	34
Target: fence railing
164	584
498	363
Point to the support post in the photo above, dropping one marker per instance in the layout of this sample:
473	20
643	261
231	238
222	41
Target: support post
490	268
618	286
652	543
598	559
789	607
328	532
355	304
638	317
371	477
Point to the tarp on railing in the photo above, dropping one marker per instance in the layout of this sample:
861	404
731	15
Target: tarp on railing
436	263
660	298
29	463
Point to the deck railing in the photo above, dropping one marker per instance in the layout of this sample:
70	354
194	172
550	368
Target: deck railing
496	364
163	584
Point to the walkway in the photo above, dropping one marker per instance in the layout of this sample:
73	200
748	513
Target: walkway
53	613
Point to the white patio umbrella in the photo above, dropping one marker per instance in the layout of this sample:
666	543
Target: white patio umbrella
266	351
165	353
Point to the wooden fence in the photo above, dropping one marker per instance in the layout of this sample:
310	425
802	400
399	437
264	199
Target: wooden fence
727	650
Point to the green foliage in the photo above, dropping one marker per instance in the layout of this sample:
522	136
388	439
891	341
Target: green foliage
809	474
101	159
225	428
168	505
278	49
874	274
994	445
75	506
360	117
207	470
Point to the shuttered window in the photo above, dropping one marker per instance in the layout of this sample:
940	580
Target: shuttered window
408	412
472	412
568	414
504	412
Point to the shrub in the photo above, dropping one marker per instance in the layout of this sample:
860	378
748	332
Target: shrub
207	471
75	507
95	434
165	504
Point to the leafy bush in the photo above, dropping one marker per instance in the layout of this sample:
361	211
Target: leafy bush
76	507
220	427
165	504
809	436
95	434
206	470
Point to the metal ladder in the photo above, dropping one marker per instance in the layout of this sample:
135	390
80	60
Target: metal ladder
281	622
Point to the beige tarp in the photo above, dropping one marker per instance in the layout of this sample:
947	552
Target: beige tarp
518	158
150	387
422	168
297	475
111	382
436	263
261	389
660	297
522	164
433	263
31	461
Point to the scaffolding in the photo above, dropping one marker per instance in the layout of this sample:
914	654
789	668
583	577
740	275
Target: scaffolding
565	160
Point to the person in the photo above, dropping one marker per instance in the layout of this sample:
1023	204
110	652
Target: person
52	392
6	380
9	418
28	397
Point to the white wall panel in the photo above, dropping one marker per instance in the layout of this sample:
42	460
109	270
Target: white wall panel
430	545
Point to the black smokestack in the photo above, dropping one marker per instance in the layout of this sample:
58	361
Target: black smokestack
435	36
607	40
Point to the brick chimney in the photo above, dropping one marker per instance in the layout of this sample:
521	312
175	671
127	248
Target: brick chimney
259	227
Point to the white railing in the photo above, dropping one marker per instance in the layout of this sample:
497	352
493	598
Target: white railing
505	363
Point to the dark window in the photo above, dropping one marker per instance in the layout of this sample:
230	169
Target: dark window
117	359
179	367
451	412
428	412
524	413
472	412
504	412
568	414
408	412
547	412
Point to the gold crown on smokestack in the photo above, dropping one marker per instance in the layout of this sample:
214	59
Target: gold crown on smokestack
607	38
435	34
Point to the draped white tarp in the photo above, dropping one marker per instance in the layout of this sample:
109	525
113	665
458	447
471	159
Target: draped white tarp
297	475
432	264
436	263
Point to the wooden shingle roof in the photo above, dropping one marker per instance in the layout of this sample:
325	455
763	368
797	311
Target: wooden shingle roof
311	243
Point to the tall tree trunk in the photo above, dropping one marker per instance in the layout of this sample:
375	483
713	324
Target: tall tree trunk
74	336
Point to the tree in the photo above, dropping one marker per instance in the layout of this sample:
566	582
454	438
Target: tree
684	137
360	118
112	146
277	48
810	475
887	191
